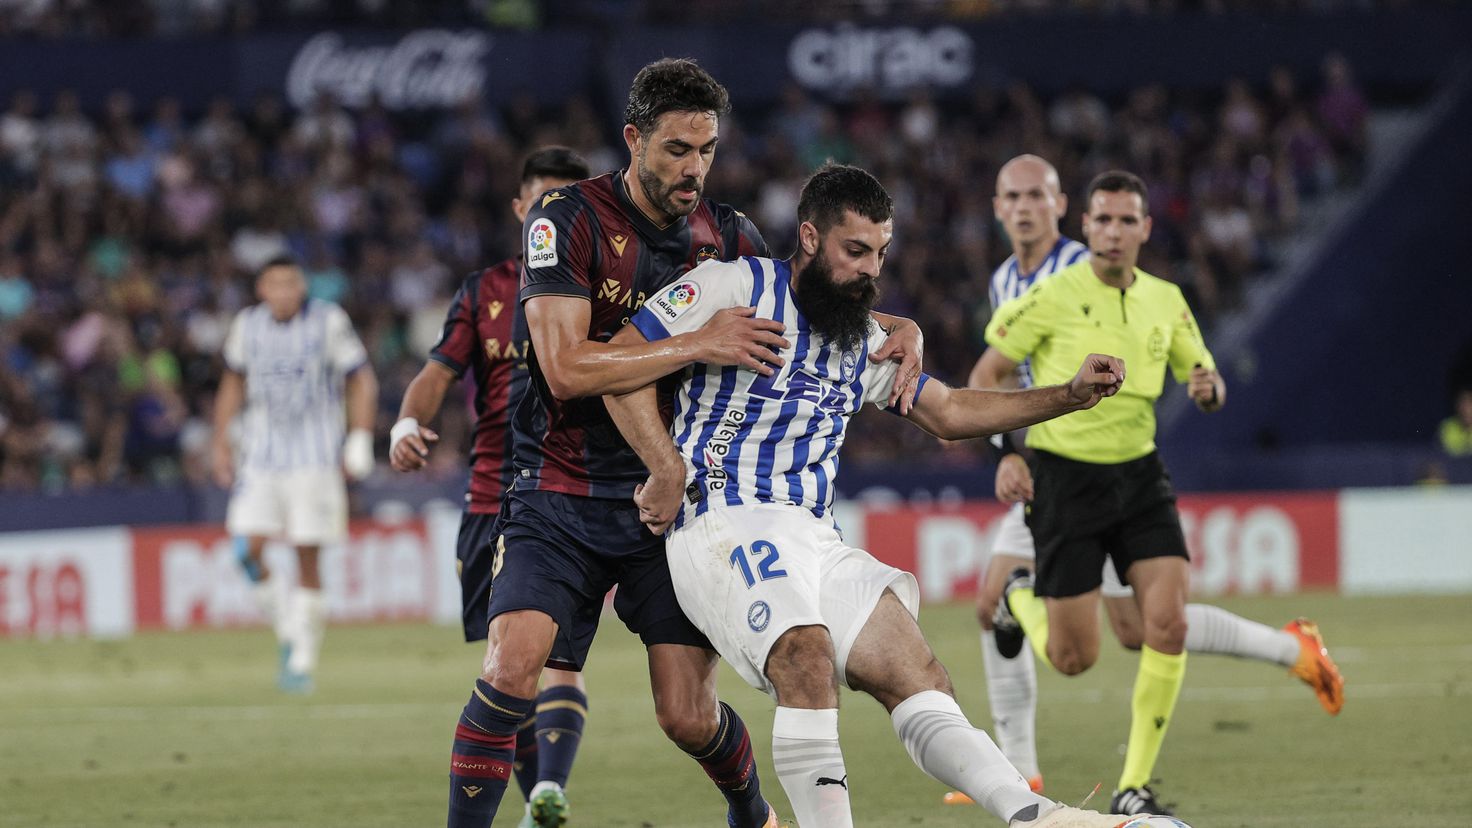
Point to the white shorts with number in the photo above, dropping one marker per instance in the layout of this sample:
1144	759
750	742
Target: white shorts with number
746	574
1014	538
303	507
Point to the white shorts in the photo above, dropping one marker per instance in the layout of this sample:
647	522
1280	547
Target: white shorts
303	507
744	575
1014	538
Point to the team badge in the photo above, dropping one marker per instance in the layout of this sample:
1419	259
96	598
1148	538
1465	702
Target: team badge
1156	343
672	303
850	365
706	252
759	616
541	244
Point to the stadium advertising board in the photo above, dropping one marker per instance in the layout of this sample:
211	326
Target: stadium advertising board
1240	543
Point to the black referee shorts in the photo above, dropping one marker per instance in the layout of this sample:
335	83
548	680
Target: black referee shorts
1082	512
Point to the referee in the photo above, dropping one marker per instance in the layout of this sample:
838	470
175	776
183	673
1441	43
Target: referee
1099	488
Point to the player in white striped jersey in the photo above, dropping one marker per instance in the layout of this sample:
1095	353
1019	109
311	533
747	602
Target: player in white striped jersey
292	363
757	562
1029	202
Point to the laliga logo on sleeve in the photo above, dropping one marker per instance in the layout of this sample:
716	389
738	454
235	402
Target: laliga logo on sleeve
675	301
541	244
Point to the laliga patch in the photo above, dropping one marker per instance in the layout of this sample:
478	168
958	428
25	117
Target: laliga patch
541	244
673	303
759	616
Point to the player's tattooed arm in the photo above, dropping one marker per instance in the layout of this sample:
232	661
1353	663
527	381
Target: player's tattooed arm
960	413
905	345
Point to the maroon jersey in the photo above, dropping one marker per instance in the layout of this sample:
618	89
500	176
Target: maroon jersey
589	240
482	335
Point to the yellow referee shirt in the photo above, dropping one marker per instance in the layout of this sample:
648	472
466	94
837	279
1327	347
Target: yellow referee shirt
1071	314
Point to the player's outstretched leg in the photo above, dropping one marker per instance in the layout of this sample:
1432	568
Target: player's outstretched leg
683	679
485	737
891	661
805	749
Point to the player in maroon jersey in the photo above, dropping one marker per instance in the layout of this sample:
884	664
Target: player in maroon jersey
481	336
569	528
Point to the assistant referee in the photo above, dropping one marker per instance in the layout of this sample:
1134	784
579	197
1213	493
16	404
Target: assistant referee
1099	486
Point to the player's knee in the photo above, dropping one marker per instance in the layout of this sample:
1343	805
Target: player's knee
1129	634
1166	631
511	670
803	668
686	722
1070	661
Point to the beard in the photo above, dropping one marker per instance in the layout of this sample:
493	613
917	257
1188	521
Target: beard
662	196
839	312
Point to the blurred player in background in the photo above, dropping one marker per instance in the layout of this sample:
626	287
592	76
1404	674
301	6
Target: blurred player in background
1029	202
290	362
484	335
748	485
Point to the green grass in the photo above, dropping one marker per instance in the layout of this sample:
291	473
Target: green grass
188	730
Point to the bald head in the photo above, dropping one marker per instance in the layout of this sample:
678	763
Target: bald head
1029	202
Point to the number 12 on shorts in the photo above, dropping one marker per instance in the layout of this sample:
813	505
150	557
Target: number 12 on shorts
766	568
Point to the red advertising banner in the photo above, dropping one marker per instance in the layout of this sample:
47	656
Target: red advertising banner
1261	542
188	576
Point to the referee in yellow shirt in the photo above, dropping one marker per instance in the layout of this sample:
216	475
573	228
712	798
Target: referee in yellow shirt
1099	488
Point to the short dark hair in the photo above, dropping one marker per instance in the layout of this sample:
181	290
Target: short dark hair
836	188
1118	181
554	162
673	85
278	260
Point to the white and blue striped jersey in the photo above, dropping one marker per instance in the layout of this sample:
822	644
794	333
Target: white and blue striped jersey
294	375
747	438
1008	282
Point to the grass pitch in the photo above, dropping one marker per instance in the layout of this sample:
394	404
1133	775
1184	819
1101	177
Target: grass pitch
187	730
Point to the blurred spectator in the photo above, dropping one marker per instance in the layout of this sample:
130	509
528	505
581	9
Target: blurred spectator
127	243
1456	431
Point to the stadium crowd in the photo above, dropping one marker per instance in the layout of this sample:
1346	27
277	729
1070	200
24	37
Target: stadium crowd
128	236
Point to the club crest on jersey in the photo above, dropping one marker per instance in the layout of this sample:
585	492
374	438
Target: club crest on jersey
541	244
850	365
1156	344
707	252
674	302
759	616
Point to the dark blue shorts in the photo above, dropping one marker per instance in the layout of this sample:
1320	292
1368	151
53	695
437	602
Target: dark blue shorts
475	551
560	554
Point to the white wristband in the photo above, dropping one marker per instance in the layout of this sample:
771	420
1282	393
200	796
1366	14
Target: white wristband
403	428
357	454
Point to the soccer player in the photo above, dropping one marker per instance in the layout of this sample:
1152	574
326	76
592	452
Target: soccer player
288	361
747	485
1029	202
569	530
482	336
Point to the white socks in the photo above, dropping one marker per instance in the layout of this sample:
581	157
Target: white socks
306	621
1012	688
1214	630
810	767
944	744
264	593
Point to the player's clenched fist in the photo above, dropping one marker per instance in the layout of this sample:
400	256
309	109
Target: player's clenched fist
1100	376
734	337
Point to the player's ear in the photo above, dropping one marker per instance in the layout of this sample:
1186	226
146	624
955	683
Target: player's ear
809	238
631	139
1062	205
1146	225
